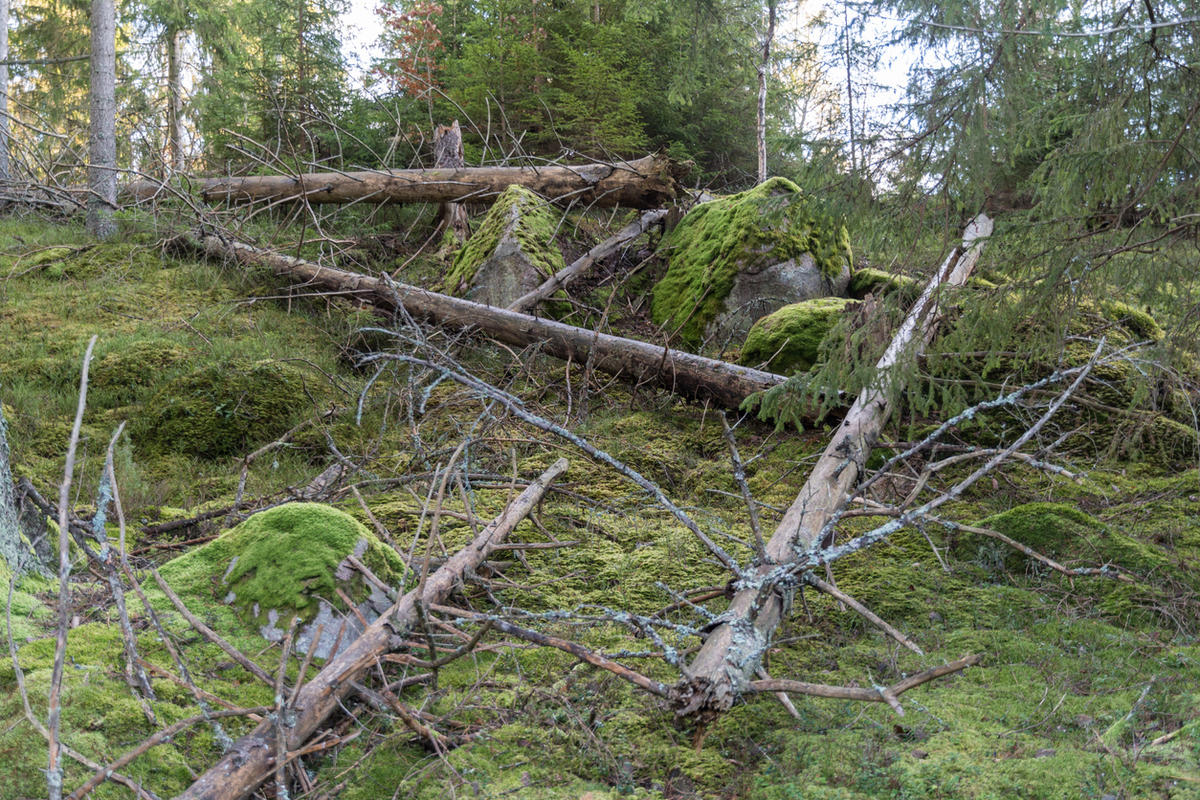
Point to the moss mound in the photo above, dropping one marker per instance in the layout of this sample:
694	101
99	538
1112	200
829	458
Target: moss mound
788	340
517	213
216	411
1139	323
126	372
769	224
283	559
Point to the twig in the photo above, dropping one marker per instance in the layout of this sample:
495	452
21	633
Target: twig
739	475
209	633
879	694
54	777
866	613
160	737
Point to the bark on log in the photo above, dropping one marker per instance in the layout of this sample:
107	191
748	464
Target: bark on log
726	664
585	262
448	154
251	760
648	182
639	362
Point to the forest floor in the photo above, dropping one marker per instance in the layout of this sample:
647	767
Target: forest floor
1088	687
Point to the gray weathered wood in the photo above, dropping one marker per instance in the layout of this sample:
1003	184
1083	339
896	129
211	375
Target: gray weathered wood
639	362
726	664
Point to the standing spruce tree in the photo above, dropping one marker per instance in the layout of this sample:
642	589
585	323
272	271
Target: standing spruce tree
102	106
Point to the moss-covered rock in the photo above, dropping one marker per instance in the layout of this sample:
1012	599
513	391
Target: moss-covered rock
1139	323
512	251
776	241
288	561
216	411
787	341
878	282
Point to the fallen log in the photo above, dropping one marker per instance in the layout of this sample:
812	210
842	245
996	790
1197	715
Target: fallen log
585	262
647	182
251	760
725	667
688	374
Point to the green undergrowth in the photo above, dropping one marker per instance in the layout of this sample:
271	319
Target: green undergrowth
1079	676
768	224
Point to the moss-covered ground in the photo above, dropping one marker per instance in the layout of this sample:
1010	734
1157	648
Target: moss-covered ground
1087	687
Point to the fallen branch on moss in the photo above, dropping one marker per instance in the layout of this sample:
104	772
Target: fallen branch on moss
641	363
252	759
733	650
876	694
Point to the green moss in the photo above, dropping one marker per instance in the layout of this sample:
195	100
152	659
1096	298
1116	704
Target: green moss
787	341
125	372
281	559
769	224
220	410
1137	322
877	282
517	212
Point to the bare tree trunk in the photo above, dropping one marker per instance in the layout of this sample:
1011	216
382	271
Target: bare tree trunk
764	68
448	154
251	759
648	182
102	105
5	173
639	362
175	156
733	651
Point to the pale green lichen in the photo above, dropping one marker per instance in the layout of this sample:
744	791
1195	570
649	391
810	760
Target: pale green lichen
282	559
788	340
517	212
769	224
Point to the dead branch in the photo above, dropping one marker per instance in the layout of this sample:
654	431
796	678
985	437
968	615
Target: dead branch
54	775
251	760
580	266
878	694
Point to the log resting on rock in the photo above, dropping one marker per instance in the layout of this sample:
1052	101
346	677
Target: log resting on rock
690	375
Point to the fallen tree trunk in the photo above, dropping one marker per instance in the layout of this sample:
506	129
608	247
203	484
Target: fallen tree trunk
639	362
251	760
726	664
585	262
648	182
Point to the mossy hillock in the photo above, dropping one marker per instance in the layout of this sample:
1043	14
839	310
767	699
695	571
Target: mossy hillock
771	224
1116	663
286	560
216	410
